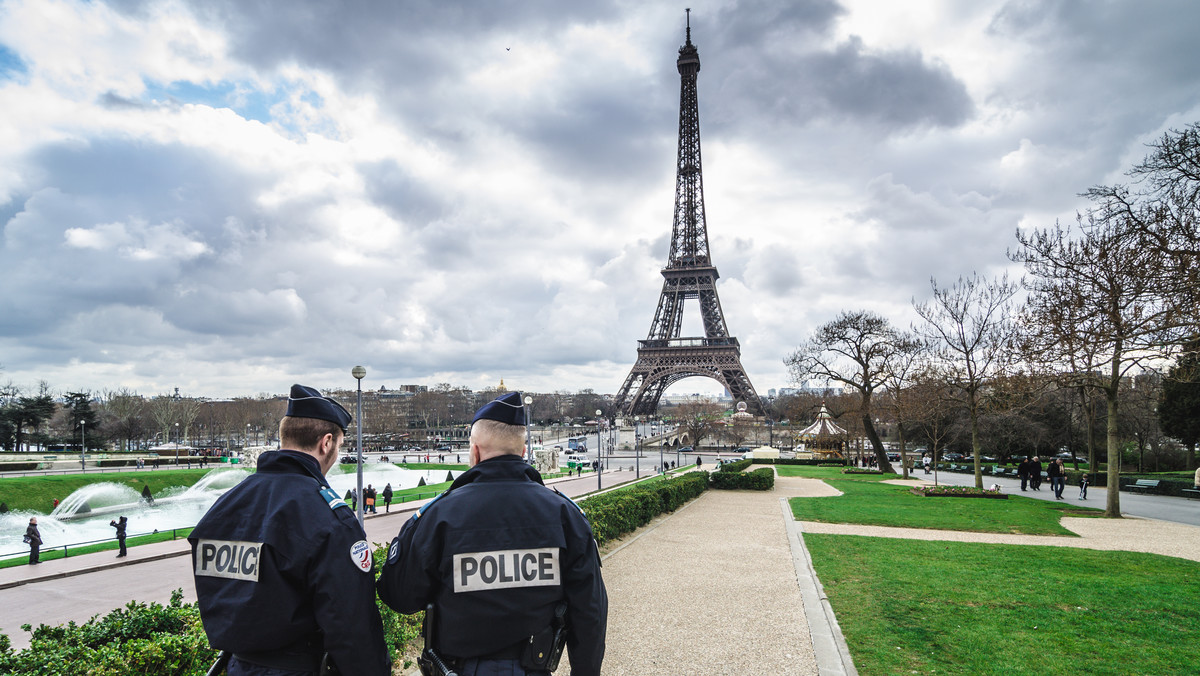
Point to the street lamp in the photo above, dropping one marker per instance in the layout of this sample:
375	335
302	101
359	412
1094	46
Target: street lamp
637	448
528	408
359	373
82	445
598	465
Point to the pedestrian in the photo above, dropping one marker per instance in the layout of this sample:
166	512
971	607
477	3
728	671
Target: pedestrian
33	538
1057	475
1196	479
282	566
352	496
1083	484
926	462
1023	472
499	513
120	526
387	498
1035	473
369	498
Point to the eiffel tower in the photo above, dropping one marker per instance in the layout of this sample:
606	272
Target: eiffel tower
665	357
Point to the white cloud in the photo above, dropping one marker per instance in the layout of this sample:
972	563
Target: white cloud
230	197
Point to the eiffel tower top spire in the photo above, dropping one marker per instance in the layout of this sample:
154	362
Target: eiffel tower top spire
689	232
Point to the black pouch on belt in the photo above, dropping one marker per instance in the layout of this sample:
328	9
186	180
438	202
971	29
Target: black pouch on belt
545	648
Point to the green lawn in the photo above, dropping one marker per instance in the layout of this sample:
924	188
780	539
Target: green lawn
918	607
867	501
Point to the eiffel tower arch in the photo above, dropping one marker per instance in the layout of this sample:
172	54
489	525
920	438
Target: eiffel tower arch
666	357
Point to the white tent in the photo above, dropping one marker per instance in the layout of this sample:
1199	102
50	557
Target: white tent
763	452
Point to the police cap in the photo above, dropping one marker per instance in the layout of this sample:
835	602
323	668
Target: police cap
506	408
306	402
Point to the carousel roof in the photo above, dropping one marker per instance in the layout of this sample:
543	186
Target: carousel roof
824	426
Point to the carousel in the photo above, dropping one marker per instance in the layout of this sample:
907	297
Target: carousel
824	439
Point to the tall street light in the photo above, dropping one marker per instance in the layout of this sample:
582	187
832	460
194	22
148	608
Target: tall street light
359	373
598	451
528	447
637	447
82	445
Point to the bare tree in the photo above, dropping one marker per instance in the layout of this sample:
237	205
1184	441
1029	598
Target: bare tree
1096	290
859	349
121	415
904	409
971	330
697	419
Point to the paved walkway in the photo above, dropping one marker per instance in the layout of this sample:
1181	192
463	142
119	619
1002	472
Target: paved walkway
715	589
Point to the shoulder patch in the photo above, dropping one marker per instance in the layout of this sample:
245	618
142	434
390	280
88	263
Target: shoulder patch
332	498
360	554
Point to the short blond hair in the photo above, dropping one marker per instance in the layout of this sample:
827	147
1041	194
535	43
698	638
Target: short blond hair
494	436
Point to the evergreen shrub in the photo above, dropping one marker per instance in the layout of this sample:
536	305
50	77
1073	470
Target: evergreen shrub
735	466
616	513
762	479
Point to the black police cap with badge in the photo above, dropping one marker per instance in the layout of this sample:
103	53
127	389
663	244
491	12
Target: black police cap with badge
506	408
306	402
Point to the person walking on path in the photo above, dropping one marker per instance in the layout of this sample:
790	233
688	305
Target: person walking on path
1083	484
1035	473
387	498
120	526
1196	479
34	538
1023	472
1056	473
369	498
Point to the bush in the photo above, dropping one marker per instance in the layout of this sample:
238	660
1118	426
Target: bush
137	639
762	479
799	461
616	513
18	466
735	466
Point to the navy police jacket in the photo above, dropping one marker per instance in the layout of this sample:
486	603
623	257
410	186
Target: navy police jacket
496	553
282	566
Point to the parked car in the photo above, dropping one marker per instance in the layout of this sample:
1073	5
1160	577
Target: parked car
952	457
349	460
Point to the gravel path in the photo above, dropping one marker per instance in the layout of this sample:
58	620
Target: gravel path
711	589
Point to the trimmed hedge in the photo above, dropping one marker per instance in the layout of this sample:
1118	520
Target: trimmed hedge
735	466
19	466
616	513
762	479
798	461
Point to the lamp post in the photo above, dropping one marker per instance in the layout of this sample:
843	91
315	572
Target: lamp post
528	447
82	445
637	447
598	451
359	372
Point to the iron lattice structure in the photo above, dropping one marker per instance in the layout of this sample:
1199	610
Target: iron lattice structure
665	357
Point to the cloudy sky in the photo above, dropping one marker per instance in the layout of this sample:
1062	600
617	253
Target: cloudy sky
228	197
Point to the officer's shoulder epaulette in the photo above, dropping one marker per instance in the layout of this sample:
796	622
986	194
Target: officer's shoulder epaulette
331	497
564	497
427	505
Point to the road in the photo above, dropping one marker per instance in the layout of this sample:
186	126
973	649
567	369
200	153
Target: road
101	590
1179	510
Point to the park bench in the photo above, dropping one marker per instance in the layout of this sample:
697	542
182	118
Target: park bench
1191	493
1000	471
1143	485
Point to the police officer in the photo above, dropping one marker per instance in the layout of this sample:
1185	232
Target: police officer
497	554
282	566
